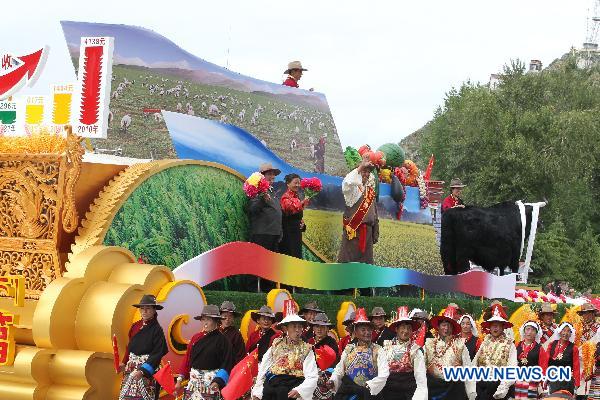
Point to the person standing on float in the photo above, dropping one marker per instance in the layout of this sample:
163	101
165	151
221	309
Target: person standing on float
360	221
292	225
294	73
454	199
147	346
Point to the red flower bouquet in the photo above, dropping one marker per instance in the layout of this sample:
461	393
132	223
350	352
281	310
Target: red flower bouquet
311	186
256	184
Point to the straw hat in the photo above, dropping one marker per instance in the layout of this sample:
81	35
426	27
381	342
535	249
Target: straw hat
418	314
546	308
450	315
403	318
456	183
210	310
587	307
498	315
148	300
266	167
321	319
294	65
264	311
228	306
310	306
378	312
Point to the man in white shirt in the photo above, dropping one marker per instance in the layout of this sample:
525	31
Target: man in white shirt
360	222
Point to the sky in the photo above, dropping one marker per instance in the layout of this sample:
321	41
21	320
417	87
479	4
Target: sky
384	66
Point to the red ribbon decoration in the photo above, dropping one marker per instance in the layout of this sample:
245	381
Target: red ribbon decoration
362	238
116	353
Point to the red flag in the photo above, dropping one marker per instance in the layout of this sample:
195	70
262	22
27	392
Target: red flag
241	377
164	377
325	357
116	353
429	168
420	339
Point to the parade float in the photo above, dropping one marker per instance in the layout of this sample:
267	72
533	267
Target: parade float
129	181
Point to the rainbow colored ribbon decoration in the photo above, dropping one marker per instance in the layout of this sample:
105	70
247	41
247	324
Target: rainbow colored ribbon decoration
239	258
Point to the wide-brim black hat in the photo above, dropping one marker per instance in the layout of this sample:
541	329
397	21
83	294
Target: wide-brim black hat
264	311
228	306
148	300
210	311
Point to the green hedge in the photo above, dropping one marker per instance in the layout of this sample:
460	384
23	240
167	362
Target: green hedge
331	303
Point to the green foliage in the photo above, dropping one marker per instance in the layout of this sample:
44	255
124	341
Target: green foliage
180	213
352	157
535	136
394	154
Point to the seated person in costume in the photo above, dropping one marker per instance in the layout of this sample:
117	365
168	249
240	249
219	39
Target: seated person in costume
528	355
289	368
362	370
308	312
360	221
406	362
264	335
349	327
238	347
496	350
468	333
560	350
380	331
147	346
208	359
321	326
445	349
546	315
454	199
423	319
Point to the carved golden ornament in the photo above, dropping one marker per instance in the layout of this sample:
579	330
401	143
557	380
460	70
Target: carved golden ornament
45	142
36	192
73	157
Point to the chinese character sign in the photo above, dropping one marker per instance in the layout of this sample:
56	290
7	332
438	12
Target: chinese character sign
7	337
